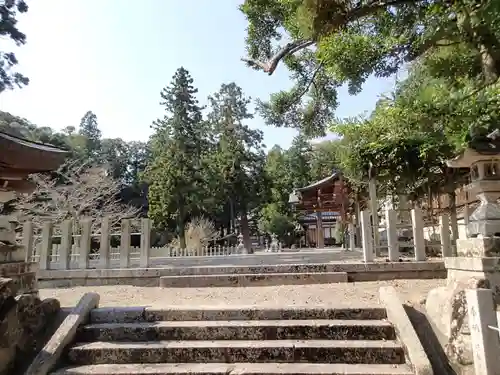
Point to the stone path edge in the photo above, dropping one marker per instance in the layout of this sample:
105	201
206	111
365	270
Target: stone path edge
149	277
396	314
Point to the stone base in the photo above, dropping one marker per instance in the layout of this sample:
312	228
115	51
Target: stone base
478	247
466	268
23	322
447	306
23	275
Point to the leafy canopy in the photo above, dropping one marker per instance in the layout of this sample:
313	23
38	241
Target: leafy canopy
9	10
328	43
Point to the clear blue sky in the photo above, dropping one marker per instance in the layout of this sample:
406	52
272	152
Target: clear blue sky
114	56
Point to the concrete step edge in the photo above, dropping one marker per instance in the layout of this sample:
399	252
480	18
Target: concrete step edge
236	344
237	368
178	313
263	274
240	323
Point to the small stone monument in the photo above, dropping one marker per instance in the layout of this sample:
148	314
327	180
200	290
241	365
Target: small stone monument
477	264
240	249
274	247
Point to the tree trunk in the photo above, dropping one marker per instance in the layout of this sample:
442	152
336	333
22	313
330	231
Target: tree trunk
245	228
452	206
484	40
181	227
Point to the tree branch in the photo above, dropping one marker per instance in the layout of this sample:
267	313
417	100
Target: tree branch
289	49
343	17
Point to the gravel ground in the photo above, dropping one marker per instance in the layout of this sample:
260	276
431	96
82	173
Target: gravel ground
357	294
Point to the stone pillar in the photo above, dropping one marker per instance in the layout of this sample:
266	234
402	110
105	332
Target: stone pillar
320	233
485	341
418	234
145	243
104	255
444	227
352	237
391	222
125	244
372	189
367	239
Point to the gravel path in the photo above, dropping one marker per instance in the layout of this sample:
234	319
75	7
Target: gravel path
357	294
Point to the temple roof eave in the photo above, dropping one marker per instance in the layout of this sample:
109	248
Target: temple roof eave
25	156
319	183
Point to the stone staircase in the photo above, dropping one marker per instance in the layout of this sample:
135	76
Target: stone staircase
243	341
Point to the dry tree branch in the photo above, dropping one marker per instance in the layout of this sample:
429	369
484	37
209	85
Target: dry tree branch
85	192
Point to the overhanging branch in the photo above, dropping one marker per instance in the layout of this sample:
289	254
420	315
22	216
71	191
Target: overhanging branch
289	49
342	18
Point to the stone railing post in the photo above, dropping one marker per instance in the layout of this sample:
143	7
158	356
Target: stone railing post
85	244
66	244
485	341
145	242
352	237
417	223
46	245
391	221
125	244
104	256
28	240
444	228
366	234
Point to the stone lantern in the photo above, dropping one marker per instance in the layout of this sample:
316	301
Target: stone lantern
485	184
477	260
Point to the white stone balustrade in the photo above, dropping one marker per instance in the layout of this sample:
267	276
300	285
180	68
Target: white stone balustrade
392	228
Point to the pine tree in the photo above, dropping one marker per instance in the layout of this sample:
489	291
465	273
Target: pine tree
89	130
174	172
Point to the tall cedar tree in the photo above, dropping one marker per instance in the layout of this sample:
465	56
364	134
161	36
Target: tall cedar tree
174	172
89	130
238	157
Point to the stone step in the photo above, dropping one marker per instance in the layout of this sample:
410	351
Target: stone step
252	279
238	368
230	351
240	330
152	314
253	269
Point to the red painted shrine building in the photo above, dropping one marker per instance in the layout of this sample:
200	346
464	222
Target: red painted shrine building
321	204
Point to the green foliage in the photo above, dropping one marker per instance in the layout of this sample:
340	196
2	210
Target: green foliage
273	220
9	10
335	42
89	130
238	157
